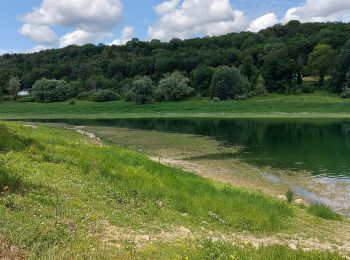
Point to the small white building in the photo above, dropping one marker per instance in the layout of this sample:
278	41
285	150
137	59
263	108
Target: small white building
24	92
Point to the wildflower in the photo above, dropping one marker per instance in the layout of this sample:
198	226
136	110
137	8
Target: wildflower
232	257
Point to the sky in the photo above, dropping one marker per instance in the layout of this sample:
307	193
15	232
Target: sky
33	25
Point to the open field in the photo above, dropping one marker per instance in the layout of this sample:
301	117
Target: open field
74	197
317	105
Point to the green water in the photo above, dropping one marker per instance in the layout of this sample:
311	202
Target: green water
321	147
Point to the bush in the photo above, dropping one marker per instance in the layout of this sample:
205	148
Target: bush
104	96
228	83
6	98
141	91
51	90
72	102
290	196
308	87
173	87
322	211
83	95
346	93
26	99
260	87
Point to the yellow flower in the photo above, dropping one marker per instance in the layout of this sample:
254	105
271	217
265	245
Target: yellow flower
232	257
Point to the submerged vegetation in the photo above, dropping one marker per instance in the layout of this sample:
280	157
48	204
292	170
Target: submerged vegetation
84	199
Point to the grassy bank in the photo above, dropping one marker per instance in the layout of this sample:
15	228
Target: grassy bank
320	104
72	197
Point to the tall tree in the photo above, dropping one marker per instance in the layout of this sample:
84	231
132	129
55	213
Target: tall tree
341	69
13	87
321	61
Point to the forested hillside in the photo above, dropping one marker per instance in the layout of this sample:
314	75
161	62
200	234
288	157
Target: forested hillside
274	60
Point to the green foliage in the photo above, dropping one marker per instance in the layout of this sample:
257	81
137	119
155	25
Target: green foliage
290	196
278	68
13	87
201	77
260	87
46	90
104	96
341	69
141	91
322	211
173	87
229	83
345	93
277	53
321	61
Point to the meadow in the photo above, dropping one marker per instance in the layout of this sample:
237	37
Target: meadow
316	105
75	197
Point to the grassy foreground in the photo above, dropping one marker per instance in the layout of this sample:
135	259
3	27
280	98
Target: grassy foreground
64	196
320	104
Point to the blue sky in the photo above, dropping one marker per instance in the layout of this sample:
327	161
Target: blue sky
23	29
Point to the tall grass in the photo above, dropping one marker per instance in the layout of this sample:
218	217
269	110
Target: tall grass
76	187
323	211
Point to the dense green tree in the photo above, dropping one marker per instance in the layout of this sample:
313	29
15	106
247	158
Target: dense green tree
321	61
229	83
104	96
51	90
278	53
141	91
278	67
260	87
248	68
173	87
342	68
13	87
201	77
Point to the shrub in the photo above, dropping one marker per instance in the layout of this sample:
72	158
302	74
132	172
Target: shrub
290	196
322	211
104	96
346	93
260	87
308	87
83	96
228	82
141	91
26	99
72	102
51	90
173	87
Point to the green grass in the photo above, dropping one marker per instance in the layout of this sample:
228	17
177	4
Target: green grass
320	104
323	211
73	191
223	251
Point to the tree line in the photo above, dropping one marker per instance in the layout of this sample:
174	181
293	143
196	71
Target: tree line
232	66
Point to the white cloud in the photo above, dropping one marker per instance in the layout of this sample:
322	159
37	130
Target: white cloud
37	48
196	17
38	33
320	11
263	22
91	20
166	7
127	35
81	37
